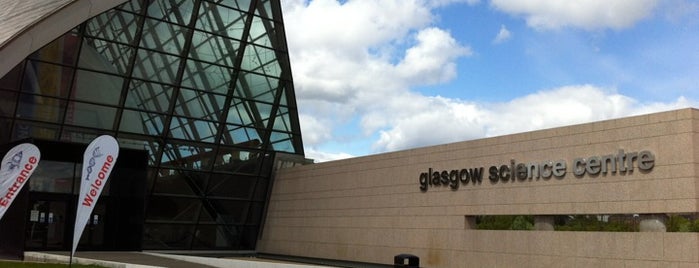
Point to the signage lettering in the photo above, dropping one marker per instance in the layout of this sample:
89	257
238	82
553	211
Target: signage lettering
620	163
19	182
97	184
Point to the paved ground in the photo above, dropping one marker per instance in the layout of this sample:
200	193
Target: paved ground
133	258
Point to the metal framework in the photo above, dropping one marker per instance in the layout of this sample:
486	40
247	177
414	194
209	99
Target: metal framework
204	86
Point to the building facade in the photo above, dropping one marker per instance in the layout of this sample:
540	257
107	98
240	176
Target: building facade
197	92
603	194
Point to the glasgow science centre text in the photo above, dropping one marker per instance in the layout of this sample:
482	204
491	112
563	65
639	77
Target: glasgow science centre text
621	163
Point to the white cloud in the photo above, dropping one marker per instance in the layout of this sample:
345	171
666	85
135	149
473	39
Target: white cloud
432	59
589	14
439	120
503	35
348	57
319	156
354	67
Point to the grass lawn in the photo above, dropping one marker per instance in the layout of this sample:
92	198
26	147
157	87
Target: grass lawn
18	264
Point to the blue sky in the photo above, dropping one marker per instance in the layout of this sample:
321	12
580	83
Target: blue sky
375	76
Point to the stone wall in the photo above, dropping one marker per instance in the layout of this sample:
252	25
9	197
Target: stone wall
371	208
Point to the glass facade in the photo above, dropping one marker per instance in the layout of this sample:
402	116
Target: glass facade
204	86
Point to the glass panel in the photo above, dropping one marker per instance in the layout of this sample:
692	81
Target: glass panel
47	79
229	186
283	145
173	209
5	128
247	166
240	113
163	36
198	104
175	11
192	129
237	4
62	50
113	25
258	87
259	33
261	190
150	144
215	49
261	60
215	236
243	135
194	156
97	87
149	96
133	6
11	80
264	9
228	211
105	56
185	182
24	130
8	100
228	158
281	122
264	111
142	122
222	20
238	134
90	115
208	77
154	66
53	177
41	108
167	236
79	135
255	213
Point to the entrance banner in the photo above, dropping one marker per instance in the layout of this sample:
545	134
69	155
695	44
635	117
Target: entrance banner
98	161
16	168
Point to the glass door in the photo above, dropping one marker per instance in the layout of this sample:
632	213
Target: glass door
46	224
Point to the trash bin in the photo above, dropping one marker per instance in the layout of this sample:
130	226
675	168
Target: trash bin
406	261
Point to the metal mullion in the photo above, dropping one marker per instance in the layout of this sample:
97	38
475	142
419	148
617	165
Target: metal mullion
162	54
128	75
284	62
61	123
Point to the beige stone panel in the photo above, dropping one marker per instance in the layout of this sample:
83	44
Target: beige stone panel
681	205
631	207
647	246
542	242
543	261
417	238
587	262
681	247
643	264
513	260
611	263
564	261
682	265
482	259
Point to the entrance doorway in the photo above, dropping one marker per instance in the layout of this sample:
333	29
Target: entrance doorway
50	223
43	214
46	223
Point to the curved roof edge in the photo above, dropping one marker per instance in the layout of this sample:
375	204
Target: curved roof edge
28	25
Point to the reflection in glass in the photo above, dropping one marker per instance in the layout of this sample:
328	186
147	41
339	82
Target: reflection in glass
53	177
196	90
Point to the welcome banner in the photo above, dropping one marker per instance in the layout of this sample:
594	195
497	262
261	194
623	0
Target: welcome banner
16	168
98	161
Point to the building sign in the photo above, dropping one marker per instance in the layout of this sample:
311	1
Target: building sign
620	163
98	161
17	166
